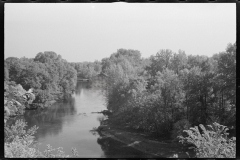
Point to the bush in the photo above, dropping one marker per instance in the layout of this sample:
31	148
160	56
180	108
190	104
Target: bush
13	99
212	143
56	153
18	141
19	130
20	148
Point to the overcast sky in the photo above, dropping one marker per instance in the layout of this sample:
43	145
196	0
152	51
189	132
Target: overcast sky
91	31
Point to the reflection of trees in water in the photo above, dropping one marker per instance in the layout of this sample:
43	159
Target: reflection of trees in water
88	93
81	86
89	86
50	120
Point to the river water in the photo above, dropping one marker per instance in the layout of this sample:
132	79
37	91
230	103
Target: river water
69	124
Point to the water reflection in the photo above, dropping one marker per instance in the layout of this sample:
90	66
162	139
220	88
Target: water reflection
50	120
92	86
69	124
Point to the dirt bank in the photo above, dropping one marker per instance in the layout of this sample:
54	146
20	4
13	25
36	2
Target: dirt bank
143	142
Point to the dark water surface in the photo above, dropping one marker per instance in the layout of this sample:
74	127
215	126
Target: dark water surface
69	124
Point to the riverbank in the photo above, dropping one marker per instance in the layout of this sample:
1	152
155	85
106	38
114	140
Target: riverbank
144	142
56	98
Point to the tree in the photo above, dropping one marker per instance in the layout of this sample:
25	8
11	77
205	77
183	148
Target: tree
15	68
179	61
226	76
46	72
160	61
172	94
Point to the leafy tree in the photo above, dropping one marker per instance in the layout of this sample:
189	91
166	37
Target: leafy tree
160	61
179	61
47	72
225	85
171	96
177	87
15	68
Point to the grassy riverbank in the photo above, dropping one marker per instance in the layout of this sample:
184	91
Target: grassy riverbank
144	142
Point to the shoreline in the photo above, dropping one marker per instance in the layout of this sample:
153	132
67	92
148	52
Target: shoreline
143	143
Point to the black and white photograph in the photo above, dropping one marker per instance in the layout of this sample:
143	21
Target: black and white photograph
120	80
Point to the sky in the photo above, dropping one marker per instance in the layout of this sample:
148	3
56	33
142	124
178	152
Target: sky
92	31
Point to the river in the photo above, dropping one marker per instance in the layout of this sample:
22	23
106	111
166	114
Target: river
69	124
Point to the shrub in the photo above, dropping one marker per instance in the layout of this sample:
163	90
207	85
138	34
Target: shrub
19	142
20	148
19	130
57	153
212	143
13	99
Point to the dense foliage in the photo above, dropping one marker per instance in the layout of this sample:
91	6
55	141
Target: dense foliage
212	142
45	75
50	76
16	99
33	83
170	92
162	95
87	70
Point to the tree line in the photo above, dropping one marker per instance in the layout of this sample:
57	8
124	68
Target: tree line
50	76
162	95
169	92
150	94
87	70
